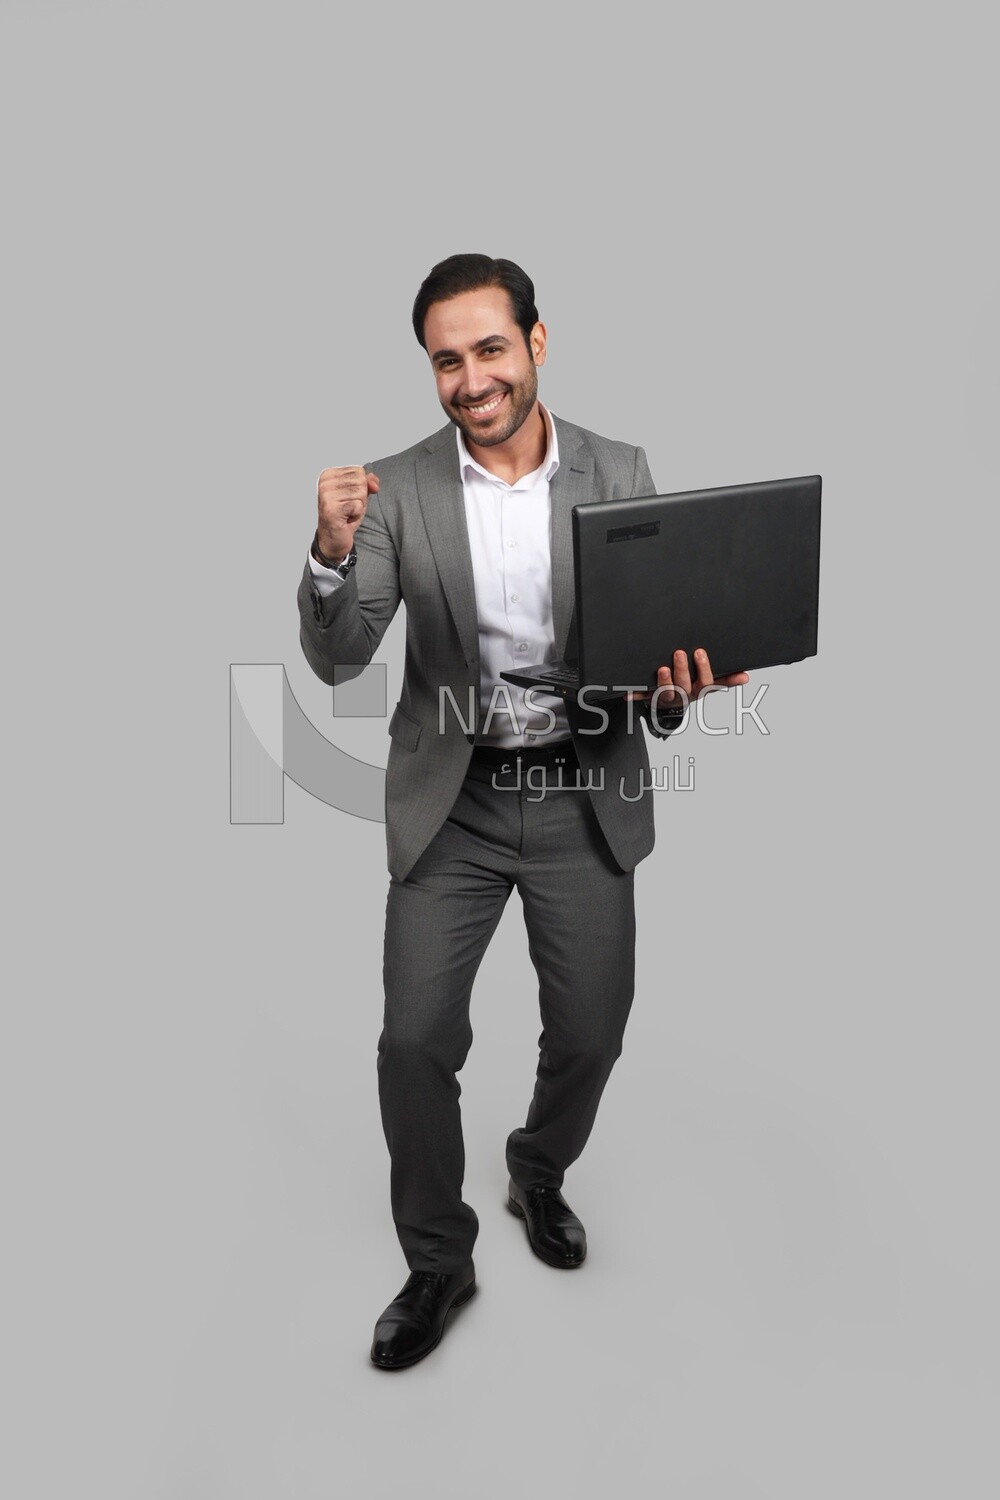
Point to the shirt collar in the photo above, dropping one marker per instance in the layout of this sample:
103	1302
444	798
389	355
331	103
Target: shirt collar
546	470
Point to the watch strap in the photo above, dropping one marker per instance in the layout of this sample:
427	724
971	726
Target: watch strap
343	567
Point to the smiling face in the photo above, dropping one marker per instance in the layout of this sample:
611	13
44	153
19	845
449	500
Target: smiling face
486	375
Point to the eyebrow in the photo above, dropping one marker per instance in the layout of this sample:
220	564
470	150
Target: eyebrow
492	338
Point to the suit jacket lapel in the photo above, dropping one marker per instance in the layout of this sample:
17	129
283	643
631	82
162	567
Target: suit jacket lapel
439	490
572	484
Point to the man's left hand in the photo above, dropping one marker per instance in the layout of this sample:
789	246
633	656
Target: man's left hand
679	676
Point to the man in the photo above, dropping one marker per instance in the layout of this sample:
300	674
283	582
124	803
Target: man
471	529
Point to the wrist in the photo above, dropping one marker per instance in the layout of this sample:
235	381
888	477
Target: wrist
324	558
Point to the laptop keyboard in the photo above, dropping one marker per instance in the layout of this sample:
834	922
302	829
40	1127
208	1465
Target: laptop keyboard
557	672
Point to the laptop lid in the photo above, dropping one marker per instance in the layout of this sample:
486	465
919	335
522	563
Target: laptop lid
733	569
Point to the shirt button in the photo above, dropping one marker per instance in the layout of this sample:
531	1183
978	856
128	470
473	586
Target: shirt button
511	544
514	598
522	646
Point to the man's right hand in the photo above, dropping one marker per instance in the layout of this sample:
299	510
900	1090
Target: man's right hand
343	500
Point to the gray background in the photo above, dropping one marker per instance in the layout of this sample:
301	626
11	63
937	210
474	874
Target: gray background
764	241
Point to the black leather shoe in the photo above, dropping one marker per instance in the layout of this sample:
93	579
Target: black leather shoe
412	1325
554	1231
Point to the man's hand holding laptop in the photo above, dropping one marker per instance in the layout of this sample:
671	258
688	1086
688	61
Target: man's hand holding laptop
668	680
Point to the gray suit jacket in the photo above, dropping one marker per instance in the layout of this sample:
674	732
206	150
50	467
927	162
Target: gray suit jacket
413	545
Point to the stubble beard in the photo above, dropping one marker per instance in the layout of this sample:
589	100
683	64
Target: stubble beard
521	400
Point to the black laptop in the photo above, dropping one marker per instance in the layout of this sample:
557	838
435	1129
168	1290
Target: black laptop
735	570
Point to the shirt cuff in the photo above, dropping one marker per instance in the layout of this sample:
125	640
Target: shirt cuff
326	580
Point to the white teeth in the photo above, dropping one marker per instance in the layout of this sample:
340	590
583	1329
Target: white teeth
487	405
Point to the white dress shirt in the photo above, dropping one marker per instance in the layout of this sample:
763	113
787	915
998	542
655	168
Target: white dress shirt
512	571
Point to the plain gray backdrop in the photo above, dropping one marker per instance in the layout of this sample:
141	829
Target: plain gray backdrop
764	242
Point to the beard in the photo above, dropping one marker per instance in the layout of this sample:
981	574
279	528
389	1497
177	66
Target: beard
521	399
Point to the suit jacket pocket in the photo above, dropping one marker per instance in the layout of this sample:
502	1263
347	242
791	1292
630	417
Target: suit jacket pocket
404	728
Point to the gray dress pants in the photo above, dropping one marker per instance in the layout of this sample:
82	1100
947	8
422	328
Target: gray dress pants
580	917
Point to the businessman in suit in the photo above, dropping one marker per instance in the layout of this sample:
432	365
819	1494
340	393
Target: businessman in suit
488	787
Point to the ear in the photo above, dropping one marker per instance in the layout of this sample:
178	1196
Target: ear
537	342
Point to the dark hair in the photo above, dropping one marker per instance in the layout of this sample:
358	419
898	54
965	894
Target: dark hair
467	273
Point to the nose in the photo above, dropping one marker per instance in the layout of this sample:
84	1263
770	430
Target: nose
475	383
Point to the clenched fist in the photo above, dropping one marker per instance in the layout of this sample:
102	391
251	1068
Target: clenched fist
343	500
